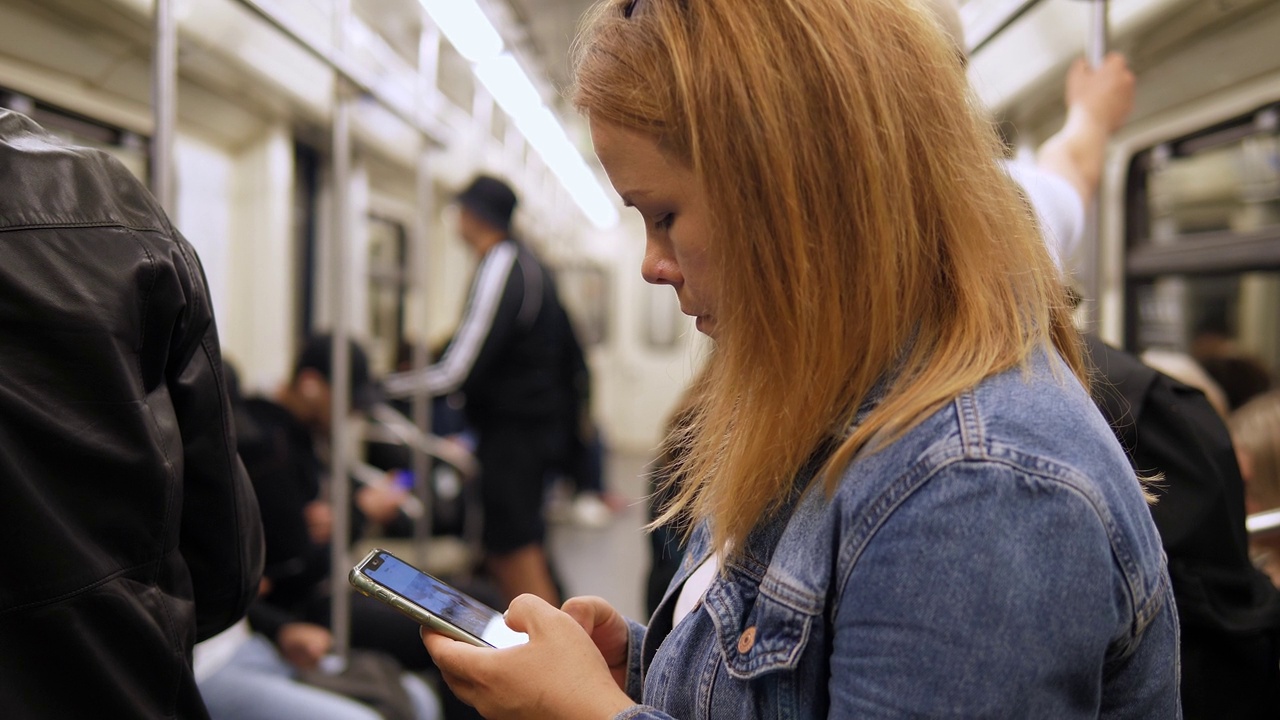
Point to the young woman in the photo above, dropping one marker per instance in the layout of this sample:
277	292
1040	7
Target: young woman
904	502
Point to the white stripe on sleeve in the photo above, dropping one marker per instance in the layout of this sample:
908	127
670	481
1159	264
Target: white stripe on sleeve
448	375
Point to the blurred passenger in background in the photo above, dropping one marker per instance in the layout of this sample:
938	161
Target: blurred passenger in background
1228	612
283	443
585	500
1067	171
666	541
1184	368
131	527
1241	377
905	503
509	356
1256	430
243	675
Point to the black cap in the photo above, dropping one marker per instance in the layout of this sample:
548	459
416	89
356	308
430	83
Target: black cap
491	199
317	355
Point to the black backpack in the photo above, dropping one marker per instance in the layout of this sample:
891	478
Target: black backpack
1228	611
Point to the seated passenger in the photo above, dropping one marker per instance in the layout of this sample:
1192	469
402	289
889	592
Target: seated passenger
905	503
244	676
131	527
279	450
1256	431
1243	378
274	670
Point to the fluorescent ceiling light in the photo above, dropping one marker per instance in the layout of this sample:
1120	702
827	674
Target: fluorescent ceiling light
510	87
549	140
466	27
475	38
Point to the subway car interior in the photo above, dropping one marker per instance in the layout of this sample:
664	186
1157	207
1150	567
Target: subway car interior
345	172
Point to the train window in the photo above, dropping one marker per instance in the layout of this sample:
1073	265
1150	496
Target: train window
1203	242
584	288
455	79
306	210
1228	182
388	286
1211	316
131	149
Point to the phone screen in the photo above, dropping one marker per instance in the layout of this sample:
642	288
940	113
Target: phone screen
442	600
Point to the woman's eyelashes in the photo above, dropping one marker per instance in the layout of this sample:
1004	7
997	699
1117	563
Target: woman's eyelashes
663	222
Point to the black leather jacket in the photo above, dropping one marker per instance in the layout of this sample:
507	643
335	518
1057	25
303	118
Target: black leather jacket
129	527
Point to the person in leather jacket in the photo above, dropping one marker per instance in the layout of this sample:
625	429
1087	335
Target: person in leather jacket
130	529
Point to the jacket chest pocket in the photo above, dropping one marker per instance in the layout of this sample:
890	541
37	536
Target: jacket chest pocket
757	634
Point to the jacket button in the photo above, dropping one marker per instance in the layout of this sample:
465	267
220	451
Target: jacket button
747	639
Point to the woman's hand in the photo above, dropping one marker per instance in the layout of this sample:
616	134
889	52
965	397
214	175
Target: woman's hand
560	673
607	629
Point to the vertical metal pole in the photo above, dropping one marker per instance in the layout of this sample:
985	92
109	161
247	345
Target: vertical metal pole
428	64
1090	280
1099	31
164	103
340	378
482	116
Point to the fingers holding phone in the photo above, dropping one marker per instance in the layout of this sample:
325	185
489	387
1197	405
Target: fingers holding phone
559	673
607	628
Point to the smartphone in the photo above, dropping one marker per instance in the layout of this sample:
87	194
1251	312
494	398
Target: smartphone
432	603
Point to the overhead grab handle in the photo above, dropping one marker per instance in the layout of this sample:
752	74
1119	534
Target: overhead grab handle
1099	32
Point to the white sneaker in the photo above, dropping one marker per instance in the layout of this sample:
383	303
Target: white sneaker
590	511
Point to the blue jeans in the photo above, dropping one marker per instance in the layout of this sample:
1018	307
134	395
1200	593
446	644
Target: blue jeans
258	684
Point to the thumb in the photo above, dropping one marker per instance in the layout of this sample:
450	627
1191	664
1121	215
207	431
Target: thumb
582	612
527	613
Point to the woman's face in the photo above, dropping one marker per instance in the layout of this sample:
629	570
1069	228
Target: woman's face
676	217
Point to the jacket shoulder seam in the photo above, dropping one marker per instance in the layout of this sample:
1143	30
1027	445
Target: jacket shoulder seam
883	507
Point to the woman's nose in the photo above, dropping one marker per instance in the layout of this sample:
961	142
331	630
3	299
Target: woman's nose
659	266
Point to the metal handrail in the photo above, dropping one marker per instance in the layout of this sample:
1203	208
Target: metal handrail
392	425
985	35
1263	524
342	67
164	105
404	431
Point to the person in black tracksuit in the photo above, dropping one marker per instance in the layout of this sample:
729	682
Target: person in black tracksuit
508	357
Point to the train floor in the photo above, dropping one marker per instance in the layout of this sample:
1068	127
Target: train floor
610	561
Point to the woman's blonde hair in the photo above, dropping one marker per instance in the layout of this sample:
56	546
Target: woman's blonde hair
1255	429
863	229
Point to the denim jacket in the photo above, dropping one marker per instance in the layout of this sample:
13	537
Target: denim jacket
996	561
